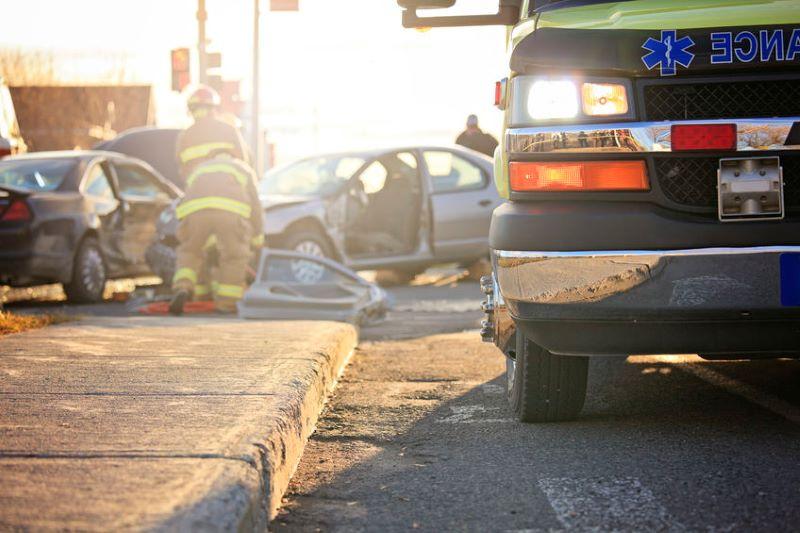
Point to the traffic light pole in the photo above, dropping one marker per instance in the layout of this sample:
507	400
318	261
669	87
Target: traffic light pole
256	108
202	15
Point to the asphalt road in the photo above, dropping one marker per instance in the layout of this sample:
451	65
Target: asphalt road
418	436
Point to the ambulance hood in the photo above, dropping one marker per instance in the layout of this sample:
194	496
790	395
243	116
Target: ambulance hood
647	38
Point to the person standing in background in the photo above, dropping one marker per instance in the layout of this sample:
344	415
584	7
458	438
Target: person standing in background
476	139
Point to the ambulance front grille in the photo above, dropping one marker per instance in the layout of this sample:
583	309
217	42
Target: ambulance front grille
721	100
692	181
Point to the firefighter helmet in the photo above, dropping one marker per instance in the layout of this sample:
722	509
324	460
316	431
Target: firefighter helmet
203	96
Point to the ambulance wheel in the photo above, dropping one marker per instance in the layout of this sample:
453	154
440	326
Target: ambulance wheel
88	274
544	387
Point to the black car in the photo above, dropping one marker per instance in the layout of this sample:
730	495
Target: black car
78	218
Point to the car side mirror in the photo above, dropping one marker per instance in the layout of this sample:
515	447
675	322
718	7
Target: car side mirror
508	14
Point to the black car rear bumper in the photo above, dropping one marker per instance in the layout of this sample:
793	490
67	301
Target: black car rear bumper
28	260
592	279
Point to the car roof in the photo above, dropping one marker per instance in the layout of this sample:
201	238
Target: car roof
69	154
66	154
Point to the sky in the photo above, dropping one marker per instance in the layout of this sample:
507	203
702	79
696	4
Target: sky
337	75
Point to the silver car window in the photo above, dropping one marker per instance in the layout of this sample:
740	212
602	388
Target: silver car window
450	172
317	176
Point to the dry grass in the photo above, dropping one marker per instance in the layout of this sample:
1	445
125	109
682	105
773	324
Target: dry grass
11	323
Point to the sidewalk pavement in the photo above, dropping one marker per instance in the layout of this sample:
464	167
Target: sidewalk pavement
159	423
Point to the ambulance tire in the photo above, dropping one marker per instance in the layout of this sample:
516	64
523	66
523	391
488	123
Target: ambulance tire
544	387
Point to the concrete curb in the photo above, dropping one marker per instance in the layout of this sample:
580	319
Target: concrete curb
277	451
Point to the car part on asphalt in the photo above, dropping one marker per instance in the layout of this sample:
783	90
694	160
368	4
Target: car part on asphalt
340	294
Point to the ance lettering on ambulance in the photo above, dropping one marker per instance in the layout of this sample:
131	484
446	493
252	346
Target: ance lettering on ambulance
747	46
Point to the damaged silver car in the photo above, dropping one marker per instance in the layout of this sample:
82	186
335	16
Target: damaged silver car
401	209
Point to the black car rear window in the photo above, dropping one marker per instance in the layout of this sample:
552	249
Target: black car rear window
35	174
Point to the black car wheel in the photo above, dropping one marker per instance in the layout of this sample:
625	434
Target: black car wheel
544	387
88	274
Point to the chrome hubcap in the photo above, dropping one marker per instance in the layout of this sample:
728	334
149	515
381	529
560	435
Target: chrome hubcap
306	271
93	272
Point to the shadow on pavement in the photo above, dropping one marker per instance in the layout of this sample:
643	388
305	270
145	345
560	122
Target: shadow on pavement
655	449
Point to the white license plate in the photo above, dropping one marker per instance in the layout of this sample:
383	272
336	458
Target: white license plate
750	188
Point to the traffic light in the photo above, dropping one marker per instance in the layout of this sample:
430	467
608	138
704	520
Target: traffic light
181	69
213	60
213	75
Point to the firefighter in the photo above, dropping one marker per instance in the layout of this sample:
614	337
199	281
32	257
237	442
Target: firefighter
220	208
208	134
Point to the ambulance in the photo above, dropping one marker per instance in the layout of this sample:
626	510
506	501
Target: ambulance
650	161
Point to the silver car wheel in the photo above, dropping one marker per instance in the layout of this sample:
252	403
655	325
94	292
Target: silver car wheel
306	271
93	272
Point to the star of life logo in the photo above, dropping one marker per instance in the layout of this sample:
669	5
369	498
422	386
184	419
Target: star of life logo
668	53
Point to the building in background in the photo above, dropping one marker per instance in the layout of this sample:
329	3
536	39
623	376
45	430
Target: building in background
67	117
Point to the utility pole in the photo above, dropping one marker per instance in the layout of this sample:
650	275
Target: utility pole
202	15
255	103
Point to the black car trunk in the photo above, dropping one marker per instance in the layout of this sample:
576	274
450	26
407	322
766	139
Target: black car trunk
15	223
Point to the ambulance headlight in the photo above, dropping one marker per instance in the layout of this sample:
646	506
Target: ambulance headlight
549	99
537	99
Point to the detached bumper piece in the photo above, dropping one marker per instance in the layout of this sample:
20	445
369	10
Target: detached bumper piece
339	294
709	301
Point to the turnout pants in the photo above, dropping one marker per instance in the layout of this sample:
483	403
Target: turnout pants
231	234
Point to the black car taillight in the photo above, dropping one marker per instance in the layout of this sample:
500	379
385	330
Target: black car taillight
17	211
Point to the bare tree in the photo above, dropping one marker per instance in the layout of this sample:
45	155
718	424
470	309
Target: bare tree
30	67
27	67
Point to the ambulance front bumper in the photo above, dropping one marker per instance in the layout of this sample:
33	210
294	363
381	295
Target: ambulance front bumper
735	300
753	135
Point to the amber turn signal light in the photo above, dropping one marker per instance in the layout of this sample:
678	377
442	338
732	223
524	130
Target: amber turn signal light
579	176
604	99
